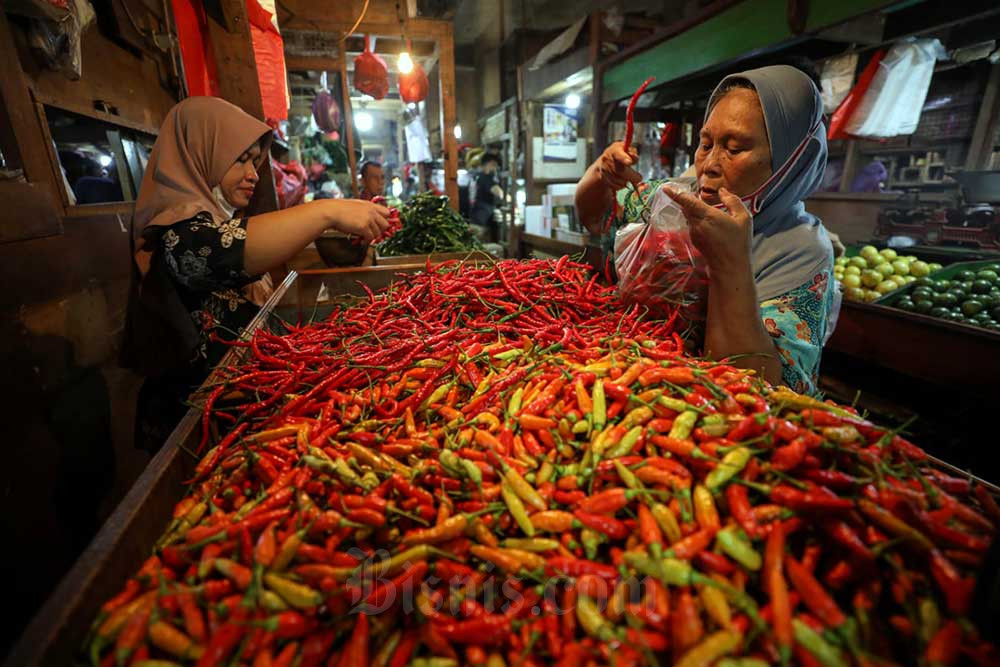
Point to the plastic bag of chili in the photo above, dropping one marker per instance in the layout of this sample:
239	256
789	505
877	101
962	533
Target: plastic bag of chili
658	265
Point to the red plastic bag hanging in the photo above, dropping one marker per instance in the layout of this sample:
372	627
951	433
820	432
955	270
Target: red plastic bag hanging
269	54
840	117
413	85
371	76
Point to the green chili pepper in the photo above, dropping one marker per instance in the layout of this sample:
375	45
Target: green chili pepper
592	620
514	404
813	642
599	406
741	551
591	540
516	508
627	476
473	471
733	462
509	354
683	424
624	446
675	404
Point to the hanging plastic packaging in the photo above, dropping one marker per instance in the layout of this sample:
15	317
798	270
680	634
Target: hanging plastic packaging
658	265
840	117
289	182
269	53
413	86
371	76
326	111
58	43
892	104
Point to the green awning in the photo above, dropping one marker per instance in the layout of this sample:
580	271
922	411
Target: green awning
742	30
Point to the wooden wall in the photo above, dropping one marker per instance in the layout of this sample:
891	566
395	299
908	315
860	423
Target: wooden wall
68	408
853	219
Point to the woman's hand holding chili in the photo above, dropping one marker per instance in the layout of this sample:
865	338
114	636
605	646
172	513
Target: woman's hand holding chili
614	167
360	218
722	236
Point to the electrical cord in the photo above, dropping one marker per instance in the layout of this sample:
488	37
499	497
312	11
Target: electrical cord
364	10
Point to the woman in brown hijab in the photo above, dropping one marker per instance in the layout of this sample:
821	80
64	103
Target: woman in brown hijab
198	261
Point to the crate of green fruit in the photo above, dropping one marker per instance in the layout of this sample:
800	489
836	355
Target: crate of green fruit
965	292
868	274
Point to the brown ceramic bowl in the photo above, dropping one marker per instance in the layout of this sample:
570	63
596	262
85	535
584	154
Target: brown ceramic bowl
338	250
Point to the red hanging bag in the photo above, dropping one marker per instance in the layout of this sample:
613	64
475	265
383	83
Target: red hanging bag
371	76
413	85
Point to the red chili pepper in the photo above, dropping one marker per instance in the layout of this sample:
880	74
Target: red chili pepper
944	647
957	591
816	500
576	567
316	647
606	525
686	627
690	546
813	595
222	642
789	456
407	645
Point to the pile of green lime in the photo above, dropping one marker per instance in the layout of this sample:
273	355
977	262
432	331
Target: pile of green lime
873	273
970	297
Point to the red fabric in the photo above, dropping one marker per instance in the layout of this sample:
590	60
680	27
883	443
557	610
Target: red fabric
269	52
413	86
196	51
840	117
371	76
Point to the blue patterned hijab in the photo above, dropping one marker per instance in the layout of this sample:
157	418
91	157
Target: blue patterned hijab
789	246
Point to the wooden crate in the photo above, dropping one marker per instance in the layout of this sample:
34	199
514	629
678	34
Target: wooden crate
435	258
940	352
57	631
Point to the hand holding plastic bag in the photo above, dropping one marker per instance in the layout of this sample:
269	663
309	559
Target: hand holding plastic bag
658	265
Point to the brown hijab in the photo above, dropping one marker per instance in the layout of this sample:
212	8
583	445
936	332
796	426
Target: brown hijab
200	139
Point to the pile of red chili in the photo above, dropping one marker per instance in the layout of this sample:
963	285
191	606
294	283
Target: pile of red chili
500	465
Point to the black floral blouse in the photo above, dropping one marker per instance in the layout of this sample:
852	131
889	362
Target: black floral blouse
205	258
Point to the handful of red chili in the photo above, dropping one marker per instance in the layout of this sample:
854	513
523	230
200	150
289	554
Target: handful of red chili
500	465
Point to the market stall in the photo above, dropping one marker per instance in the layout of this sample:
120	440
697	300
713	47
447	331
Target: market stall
641	468
447	457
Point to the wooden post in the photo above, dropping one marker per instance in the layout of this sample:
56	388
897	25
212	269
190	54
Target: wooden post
446	66
345	87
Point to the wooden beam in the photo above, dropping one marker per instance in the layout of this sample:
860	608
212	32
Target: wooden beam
311	63
238	83
980	148
348	122
446	68
416	28
91	112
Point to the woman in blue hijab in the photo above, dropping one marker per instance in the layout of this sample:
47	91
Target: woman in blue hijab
762	151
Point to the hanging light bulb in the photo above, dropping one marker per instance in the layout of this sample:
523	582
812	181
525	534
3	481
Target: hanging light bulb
458	131
405	63
572	101
363	121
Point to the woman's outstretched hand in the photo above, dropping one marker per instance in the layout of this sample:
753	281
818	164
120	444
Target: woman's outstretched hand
360	218
722	235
